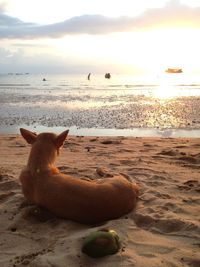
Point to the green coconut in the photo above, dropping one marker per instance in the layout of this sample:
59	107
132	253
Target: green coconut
101	243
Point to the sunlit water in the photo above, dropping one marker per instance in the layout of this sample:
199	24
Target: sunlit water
125	105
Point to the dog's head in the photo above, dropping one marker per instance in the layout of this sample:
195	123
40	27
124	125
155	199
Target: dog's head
44	138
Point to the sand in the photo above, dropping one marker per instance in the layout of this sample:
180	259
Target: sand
163	230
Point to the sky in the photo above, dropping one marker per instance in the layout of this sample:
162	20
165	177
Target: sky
60	36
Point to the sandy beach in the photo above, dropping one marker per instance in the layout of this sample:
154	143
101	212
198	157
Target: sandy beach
163	230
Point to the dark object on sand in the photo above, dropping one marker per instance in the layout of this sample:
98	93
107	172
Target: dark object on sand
44	79
107	75
101	243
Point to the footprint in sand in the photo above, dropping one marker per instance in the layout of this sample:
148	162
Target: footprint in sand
190	185
109	142
190	159
71	145
26	259
5	196
128	162
162	195
164	224
193	262
19	144
9	185
169	152
103	172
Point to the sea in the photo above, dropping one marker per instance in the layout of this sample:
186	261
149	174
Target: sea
164	105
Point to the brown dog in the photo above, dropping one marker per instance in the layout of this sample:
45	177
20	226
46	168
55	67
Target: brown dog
71	197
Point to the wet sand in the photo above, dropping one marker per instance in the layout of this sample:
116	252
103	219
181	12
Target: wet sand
108	109
163	230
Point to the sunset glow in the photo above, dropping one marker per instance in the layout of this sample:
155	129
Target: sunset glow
147	36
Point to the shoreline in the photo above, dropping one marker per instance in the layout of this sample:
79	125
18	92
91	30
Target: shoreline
135	132
131	104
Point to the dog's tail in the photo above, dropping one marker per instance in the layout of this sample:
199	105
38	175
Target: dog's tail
134	185
136	189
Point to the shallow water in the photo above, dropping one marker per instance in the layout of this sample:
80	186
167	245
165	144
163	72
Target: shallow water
131	105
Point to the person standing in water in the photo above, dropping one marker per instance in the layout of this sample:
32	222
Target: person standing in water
88	77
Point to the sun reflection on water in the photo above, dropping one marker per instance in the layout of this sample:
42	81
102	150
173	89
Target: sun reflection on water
165	110
167	87
164	91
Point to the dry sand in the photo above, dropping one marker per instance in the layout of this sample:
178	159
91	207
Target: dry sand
164	229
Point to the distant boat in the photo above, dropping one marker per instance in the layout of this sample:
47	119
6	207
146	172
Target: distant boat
107	76
173	70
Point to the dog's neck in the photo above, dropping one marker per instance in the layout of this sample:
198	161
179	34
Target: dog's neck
40	171
42	160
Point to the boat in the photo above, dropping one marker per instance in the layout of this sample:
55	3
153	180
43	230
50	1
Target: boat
173	70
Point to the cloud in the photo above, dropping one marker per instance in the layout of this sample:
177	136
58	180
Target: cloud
173	14
7	21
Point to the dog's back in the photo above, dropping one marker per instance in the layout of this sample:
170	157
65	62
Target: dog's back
70	197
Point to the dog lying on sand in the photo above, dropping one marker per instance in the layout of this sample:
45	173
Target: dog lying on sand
72	198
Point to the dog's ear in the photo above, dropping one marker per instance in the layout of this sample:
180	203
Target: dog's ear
60	139
29	136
